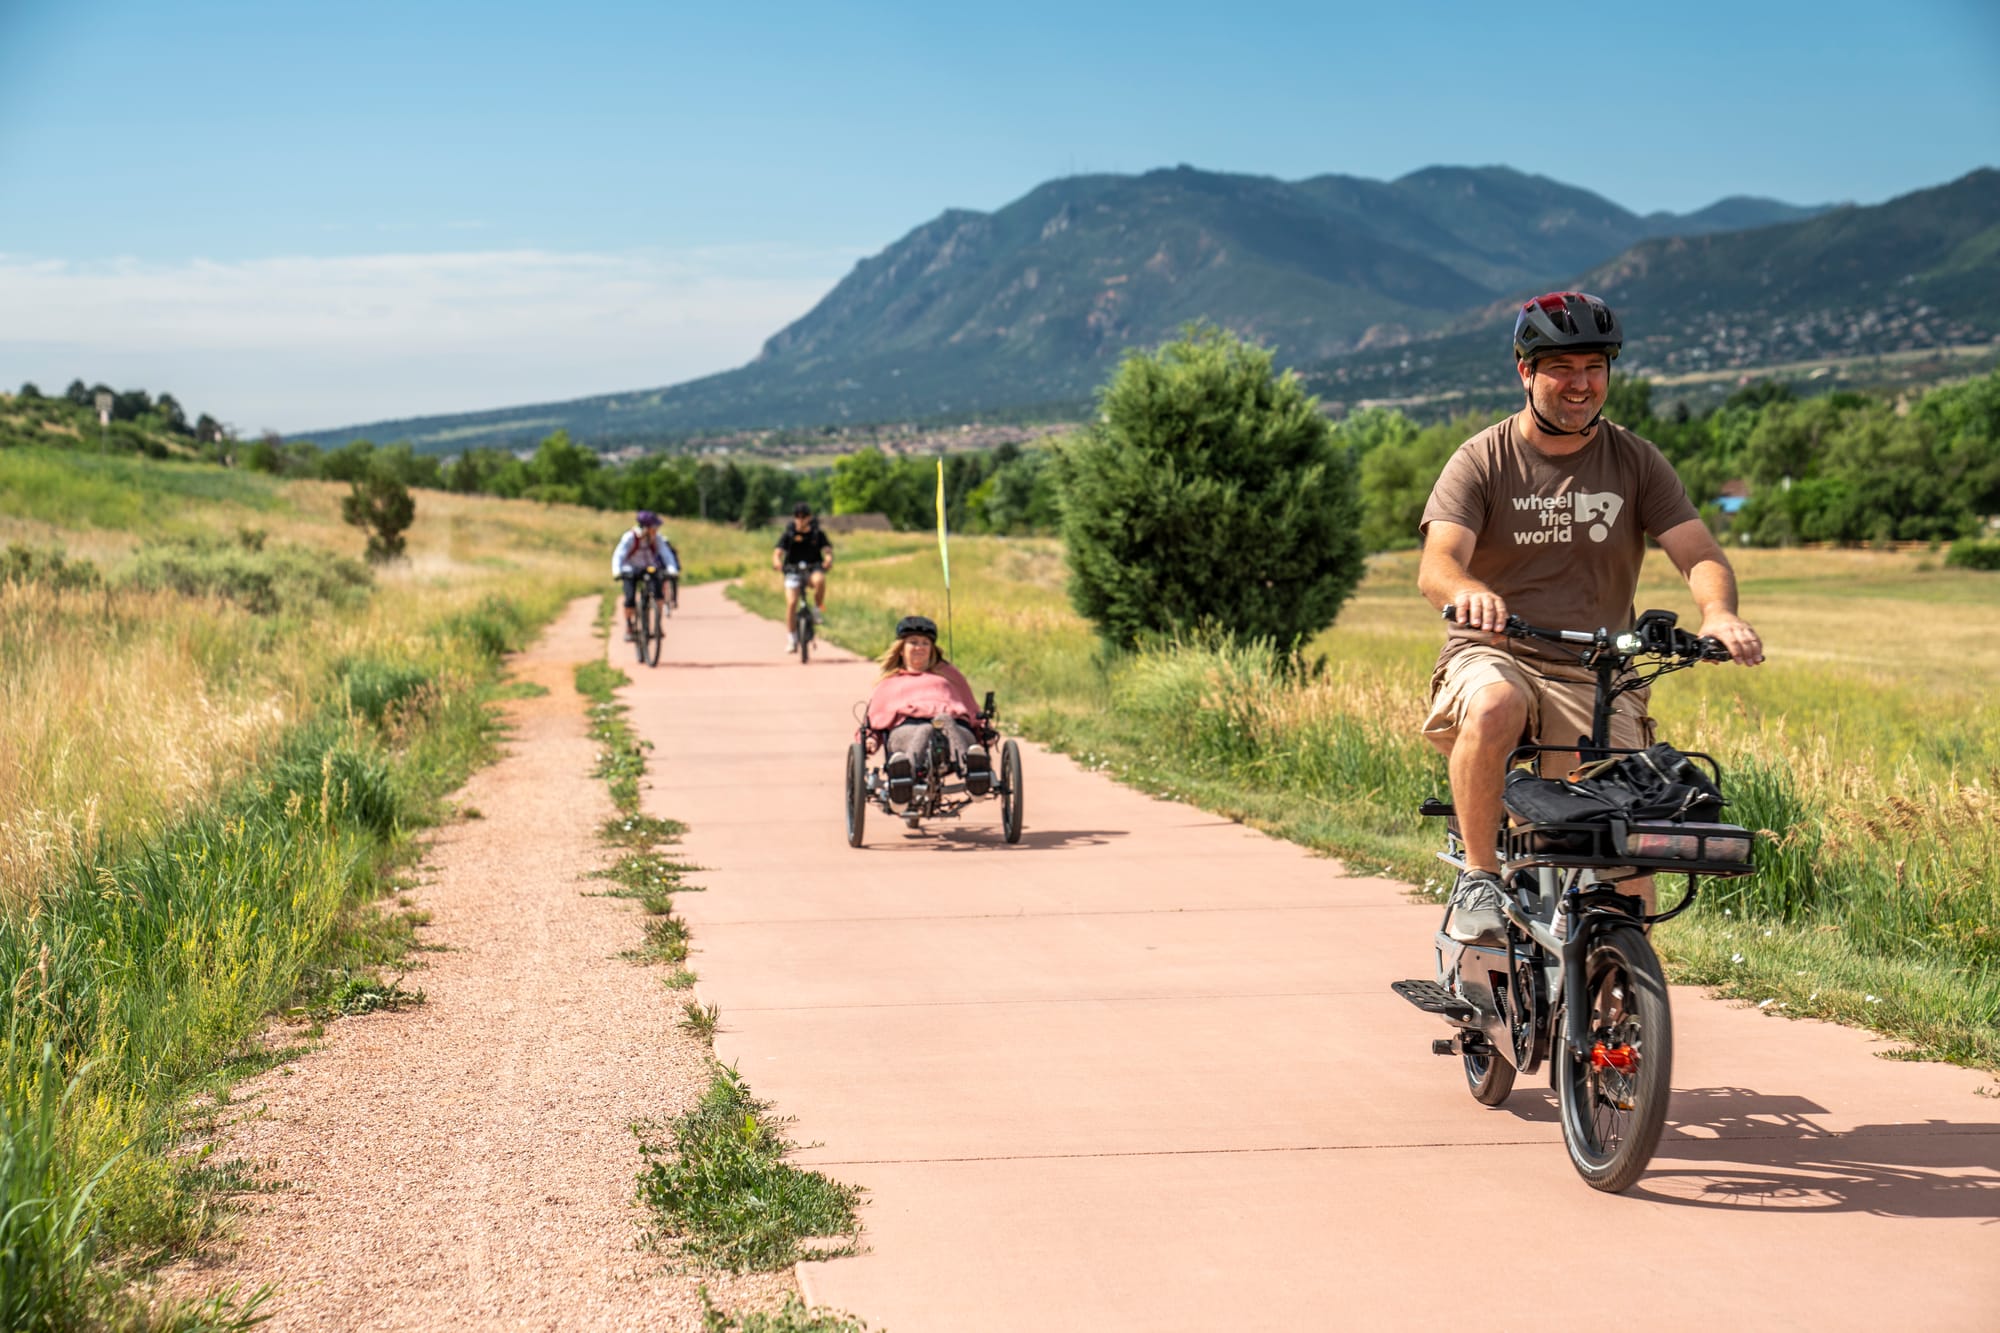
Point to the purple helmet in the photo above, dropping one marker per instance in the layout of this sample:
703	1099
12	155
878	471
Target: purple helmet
648	519
1566	322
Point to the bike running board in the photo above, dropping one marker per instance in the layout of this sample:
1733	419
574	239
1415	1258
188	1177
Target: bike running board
1435	999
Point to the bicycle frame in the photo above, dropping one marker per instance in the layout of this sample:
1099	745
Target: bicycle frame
1573	892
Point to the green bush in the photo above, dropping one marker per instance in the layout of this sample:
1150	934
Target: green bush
261	579
494	627
27	564
1974	555
380	504
334	780
374	688
1209	494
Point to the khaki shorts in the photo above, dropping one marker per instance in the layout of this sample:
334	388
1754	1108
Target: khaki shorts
1560	698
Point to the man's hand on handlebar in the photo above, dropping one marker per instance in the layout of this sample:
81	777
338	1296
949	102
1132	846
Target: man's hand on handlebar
1733	633
1478	608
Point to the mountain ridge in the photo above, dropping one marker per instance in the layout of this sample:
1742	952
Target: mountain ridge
972	313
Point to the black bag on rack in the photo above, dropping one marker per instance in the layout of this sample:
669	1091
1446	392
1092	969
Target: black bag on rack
1655	785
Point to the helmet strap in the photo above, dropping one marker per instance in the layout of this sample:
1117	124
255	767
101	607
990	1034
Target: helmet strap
1548	427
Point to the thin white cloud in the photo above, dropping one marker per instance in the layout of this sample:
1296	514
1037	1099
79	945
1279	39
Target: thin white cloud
315	341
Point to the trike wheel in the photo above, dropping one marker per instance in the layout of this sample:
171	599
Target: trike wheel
1010	791
1613	1099
857	792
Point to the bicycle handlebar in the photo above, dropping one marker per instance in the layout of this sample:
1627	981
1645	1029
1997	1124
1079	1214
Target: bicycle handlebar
1654	634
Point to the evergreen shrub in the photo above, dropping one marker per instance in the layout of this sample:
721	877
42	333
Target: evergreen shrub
1209	495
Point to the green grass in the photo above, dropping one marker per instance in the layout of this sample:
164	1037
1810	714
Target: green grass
700	1019
1868	747
795	1316
645	874
158	958
79	490
723	1194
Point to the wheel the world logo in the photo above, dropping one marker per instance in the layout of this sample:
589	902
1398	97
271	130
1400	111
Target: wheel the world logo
1557	517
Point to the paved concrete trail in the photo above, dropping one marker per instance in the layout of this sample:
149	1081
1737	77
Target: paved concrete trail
1144	1071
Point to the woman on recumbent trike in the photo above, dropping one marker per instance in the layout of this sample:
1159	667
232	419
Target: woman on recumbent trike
917	689
922	718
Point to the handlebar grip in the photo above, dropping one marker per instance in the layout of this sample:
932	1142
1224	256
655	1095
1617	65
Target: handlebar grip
1713	649
1515	628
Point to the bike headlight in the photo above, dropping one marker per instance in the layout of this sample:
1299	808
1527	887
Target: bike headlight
1627	643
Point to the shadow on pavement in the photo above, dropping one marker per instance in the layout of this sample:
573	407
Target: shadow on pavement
1742	1149
791	662
1043	840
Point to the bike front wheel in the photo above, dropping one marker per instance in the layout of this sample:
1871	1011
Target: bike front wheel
1613	1096
656	634
805	625
640	621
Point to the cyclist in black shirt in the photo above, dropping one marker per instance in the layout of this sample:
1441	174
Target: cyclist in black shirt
803	555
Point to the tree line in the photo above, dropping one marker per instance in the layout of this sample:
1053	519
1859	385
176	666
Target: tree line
1007	489
1841	467
136	407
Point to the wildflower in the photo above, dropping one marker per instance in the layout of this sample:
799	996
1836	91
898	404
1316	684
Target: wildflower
1736	958
1766	1004
1872	999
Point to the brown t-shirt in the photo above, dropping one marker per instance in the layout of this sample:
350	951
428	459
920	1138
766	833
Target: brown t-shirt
1560	538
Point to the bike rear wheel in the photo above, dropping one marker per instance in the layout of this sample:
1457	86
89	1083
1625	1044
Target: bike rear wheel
1011	797
857	793
1489	1077
1613	1099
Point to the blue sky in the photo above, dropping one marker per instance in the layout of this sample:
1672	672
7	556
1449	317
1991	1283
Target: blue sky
300	214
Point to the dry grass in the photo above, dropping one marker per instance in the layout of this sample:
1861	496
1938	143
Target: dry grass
119	708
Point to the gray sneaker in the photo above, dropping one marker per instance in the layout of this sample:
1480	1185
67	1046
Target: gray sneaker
1476	917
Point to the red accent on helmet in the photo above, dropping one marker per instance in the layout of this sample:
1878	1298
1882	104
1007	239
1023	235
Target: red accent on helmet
1566	322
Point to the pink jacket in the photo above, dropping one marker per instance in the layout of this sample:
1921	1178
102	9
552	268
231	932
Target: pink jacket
921	694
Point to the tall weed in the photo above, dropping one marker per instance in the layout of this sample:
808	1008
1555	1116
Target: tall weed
48	1228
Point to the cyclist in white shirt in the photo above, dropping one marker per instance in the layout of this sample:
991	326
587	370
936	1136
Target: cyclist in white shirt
643	553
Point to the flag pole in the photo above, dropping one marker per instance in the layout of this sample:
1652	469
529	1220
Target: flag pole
944	562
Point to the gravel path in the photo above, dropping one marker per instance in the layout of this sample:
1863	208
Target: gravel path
468	1163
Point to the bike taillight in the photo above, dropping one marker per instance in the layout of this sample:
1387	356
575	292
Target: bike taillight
1621	1058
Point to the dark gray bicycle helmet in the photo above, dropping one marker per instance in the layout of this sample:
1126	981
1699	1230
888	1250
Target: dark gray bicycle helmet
1566	322
923	625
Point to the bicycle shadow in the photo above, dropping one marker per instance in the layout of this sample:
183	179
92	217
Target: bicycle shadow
1741	1149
